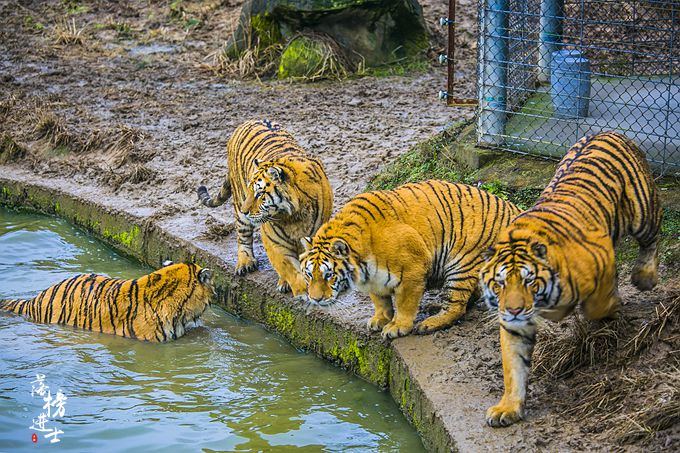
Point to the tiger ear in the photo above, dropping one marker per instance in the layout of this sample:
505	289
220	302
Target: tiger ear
340	248
306	243
276	173
539	250
257	163
488	253
204	275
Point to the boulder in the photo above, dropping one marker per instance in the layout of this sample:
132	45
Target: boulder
371	32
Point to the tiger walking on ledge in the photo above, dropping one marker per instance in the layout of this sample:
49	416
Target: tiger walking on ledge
560	252
278	187
394	243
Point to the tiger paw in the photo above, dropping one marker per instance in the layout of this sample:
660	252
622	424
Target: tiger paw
503	415
246	265
644	278
394	330
282	286
376	323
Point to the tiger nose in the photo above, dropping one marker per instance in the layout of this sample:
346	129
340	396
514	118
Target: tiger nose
515	311
315	300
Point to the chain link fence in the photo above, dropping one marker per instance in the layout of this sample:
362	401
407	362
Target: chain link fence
552	71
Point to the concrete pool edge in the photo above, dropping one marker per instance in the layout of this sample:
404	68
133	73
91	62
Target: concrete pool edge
143	238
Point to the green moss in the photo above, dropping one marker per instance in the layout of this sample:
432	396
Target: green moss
126	238
302	59
281	318
266	30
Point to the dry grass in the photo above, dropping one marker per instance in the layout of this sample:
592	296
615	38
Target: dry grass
623	376
575	343
120	146
67	33
10	150
657	395
255	60
53	130
135	174
252	62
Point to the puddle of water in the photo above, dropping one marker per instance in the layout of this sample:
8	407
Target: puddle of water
226	386
151	49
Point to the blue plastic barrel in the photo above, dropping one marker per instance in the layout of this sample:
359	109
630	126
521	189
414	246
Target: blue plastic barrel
570	84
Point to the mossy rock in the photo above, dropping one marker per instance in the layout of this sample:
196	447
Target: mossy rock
375	32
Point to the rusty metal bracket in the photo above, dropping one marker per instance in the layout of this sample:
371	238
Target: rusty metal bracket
449	59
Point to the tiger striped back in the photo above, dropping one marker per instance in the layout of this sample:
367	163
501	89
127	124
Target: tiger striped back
278	186
156	307
560	253
391	243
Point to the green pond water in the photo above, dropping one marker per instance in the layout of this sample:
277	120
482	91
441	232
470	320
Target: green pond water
226	386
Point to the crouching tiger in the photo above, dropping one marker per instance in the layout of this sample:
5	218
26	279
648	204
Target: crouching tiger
156	307
393	243
277	186
560	252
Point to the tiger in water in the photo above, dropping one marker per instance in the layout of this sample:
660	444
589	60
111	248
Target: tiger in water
391	244
157	307
278	187
560	253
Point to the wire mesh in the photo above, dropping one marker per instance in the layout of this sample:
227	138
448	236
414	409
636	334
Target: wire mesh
552	71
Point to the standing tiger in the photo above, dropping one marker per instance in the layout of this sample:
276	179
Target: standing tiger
393	243
560	252
156	307
277	186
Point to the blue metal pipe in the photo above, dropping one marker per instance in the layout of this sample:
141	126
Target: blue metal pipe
493	72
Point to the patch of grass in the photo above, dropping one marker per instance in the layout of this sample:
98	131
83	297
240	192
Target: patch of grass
254	60
424	161
123	30
31	24
74	6
10	151
52	129
68	33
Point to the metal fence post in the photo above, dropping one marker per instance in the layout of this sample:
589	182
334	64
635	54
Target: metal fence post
493	72
550	35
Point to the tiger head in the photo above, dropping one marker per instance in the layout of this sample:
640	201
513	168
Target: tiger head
327	268
518	280
269	193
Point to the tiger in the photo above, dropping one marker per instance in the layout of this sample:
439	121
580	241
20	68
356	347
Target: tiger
281	189
156	307
395	243
560	253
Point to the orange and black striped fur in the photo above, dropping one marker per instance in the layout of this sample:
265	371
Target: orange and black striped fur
394	243
560	253
156	307
277	186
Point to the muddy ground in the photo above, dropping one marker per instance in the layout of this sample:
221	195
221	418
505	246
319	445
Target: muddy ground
125	100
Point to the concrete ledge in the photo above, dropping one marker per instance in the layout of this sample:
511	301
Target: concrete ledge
348	346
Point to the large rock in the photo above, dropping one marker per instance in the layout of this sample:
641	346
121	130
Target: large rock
376	32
